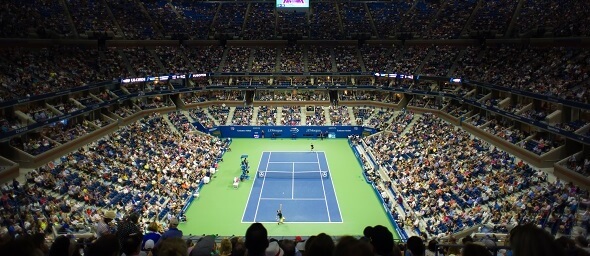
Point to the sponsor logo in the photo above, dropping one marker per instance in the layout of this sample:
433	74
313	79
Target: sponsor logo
331	128
313	130
22	100
244	130
343	131
256	128
295	130
24	129
356	128
232	128
275	130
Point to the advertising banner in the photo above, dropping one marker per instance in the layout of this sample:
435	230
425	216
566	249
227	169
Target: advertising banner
294	132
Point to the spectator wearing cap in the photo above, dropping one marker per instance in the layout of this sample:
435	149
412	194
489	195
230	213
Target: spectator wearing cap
151	237
205	247
106	225
274	249
256	240
173	230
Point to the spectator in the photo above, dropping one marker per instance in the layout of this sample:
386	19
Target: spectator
475	249
151	237
106	245
274	249
415	246
238	246
256	240
61	247
173	231
173	246
350	246
321	245
205	247
381	239
529	240
225	247
106	226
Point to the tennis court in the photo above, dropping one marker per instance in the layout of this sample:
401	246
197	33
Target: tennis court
298	182
221	207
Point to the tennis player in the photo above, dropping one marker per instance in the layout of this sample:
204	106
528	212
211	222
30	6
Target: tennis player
311	146
280	217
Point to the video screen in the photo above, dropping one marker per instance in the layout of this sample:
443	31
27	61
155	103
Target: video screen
292	3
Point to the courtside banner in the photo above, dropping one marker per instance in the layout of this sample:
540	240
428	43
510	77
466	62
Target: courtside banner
288	131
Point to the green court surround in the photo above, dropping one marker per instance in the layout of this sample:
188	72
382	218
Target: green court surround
220	207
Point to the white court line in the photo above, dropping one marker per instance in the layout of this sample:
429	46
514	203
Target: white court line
292	183
323	188
294	151
292	162
297	222
261	188
252	187
333	187
294	199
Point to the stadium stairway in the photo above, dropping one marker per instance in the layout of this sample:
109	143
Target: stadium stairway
333	60
367	120
223	58
126	62
119	33
69	17
188	116
327	115
279	115
230	116
215	121
352	117
170	124
456	63
303	115
254	116
359	57
411	124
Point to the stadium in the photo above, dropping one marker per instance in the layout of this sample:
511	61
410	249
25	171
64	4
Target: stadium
404	127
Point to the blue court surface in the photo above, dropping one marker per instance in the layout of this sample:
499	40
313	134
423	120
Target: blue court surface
299	181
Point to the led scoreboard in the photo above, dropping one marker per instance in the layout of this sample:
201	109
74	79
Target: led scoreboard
292	3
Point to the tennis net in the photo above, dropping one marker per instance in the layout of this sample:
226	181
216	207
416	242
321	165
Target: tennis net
293	175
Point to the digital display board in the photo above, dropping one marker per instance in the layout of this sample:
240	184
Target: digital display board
292	3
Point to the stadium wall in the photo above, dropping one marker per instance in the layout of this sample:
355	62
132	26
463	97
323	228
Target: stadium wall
294	132
8	170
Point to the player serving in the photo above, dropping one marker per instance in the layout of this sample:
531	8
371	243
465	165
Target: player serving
280	218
